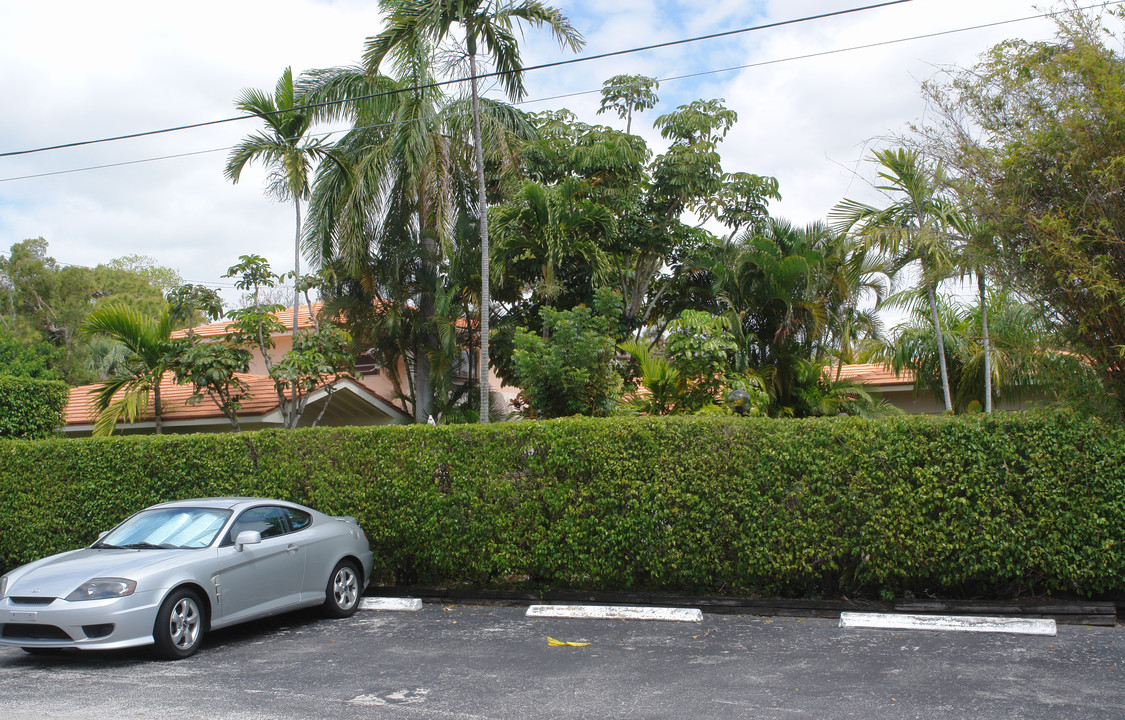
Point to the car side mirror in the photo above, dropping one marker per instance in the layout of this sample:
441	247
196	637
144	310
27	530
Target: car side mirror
102	534
247	537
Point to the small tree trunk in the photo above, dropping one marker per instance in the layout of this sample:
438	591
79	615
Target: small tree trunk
982	286
940	349
157	420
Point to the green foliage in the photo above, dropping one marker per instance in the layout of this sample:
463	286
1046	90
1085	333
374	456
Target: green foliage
212	369
30	407
1034	134
147	342
698	344
190	303
20	359
967	506
625	93
143	266
43	303
569	369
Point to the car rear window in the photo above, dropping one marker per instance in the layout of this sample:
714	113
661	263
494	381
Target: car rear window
298	519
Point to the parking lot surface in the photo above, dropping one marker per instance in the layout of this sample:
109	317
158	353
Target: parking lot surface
471	662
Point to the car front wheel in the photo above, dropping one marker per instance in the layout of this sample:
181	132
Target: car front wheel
179	626
342	594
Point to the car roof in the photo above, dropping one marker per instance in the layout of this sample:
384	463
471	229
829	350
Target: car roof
225	503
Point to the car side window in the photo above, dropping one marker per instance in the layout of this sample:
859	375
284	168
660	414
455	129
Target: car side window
269	521
298	519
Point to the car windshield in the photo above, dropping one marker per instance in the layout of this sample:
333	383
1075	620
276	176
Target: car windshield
167	528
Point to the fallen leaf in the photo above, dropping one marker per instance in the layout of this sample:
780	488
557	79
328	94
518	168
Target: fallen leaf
559	643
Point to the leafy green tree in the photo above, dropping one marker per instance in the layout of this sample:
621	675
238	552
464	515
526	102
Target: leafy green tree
692	370
162	278
43	303
188	302
687	178
625	93
483	22
318	357
1033	135
31	360
661	381
148	343
569	369
213	368
699	346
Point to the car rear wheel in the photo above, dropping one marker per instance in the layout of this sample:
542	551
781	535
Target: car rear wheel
342	594
179	626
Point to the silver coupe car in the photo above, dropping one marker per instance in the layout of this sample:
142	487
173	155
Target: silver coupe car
173	571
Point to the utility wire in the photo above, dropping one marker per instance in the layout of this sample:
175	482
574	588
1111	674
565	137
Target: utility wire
671	78
560	63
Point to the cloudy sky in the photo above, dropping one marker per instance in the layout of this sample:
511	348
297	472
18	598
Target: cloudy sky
75	70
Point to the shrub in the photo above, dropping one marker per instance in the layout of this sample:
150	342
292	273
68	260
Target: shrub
30	408
976	505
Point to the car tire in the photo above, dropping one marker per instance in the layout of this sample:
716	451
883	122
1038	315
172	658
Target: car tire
180	625
341	597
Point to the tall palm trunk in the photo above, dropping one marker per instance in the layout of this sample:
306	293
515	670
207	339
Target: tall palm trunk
940	348
982	285
288	417
423	384
485	303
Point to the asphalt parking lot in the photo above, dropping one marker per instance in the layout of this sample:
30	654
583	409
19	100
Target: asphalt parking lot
460	662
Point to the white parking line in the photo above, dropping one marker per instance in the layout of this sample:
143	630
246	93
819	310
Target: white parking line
956	623
616	612
384	603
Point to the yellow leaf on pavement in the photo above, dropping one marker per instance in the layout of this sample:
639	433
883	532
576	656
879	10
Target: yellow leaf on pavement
559	643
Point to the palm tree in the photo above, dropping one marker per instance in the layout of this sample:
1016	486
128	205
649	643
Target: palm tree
385	212
284	148
488	23
549	225
914	228
978	254
148	344
1020	358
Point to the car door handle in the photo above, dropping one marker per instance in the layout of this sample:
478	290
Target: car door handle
292	548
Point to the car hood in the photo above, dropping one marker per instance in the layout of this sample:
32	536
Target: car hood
59	575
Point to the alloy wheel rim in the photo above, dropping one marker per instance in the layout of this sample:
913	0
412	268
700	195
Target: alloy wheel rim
345	588
183	625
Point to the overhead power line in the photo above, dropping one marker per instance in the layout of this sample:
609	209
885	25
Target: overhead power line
671	78
544	66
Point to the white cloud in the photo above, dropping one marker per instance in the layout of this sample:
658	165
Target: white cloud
75	70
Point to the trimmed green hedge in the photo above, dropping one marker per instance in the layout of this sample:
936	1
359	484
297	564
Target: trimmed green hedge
978	505
31	408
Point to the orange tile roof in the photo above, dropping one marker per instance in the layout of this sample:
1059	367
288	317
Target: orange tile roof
261	399
304	322
871	374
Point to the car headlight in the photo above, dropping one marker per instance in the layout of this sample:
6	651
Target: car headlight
102	589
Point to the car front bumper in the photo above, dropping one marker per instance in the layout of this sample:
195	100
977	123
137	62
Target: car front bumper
88	624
